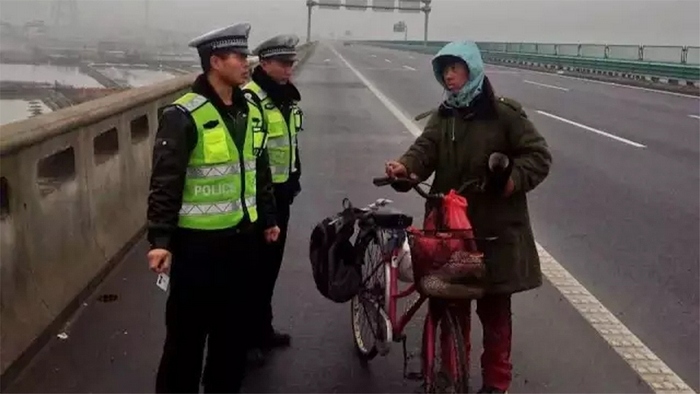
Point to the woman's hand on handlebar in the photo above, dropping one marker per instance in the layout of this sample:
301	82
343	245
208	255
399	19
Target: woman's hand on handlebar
397	176
394	170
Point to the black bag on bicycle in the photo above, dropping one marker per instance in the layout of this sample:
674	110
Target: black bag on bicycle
332	255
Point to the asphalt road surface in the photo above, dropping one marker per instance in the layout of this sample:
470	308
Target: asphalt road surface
619	211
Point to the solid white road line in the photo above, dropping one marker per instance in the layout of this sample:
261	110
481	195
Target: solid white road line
544	85
638	356
409	68
583	126
412	127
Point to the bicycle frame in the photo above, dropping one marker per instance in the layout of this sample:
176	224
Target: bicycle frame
396	323
437	308
393	295
395	333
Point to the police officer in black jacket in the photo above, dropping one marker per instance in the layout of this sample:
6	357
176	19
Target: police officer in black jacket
210	196
271	84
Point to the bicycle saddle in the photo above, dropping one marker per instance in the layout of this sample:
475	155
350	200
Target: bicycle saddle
391	218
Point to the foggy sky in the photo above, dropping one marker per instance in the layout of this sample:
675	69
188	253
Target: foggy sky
649	22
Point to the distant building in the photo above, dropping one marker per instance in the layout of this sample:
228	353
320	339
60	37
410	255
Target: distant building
34	29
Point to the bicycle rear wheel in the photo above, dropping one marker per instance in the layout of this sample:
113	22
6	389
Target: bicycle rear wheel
449	372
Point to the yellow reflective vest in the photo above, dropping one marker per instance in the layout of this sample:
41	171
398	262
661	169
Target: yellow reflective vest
220	185
281	134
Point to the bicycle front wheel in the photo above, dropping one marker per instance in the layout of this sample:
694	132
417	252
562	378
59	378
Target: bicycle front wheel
369	320
446	369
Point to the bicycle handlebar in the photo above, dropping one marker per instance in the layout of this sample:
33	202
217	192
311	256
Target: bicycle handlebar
414	184
387	180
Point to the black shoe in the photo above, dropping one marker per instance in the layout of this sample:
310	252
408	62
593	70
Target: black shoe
277	340
256	358
489	390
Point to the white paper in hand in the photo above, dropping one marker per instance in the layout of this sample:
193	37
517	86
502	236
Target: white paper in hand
163	281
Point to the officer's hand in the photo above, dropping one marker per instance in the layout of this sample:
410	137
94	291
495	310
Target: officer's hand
159	260
271	234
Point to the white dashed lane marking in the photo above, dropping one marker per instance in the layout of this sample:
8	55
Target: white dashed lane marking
591	129
544	85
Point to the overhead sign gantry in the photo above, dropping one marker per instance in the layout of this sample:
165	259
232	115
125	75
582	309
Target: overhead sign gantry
403	6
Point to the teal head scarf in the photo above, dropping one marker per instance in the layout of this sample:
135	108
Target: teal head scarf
470	54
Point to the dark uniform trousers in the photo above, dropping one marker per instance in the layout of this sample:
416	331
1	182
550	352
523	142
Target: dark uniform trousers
207	305
268	269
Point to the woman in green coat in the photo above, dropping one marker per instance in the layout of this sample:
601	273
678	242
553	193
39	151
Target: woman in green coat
470	125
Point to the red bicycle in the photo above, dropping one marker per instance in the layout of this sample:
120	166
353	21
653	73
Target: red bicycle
380	246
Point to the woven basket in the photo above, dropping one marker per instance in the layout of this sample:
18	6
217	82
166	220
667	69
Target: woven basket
444	267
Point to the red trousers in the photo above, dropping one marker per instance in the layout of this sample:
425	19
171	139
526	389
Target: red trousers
495	315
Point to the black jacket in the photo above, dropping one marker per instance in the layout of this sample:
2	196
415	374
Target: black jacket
283	96
175	139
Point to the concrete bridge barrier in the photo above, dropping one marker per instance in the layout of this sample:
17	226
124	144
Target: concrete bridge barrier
73	191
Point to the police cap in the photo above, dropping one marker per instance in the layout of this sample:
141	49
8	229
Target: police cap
232	38
282	47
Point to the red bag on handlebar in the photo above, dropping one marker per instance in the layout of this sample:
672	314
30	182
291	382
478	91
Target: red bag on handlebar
454	210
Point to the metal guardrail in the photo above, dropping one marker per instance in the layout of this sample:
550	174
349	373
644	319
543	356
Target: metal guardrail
673	62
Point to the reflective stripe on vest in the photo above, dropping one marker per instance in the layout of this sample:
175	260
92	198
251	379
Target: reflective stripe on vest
214	171
220	184
213	209
281	134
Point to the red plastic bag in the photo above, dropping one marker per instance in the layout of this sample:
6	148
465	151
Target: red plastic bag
451	254
454	210
431	251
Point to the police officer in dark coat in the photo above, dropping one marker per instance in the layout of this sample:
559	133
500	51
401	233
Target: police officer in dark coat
283	119
210	193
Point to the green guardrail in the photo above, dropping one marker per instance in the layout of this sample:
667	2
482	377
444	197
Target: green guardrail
676	63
